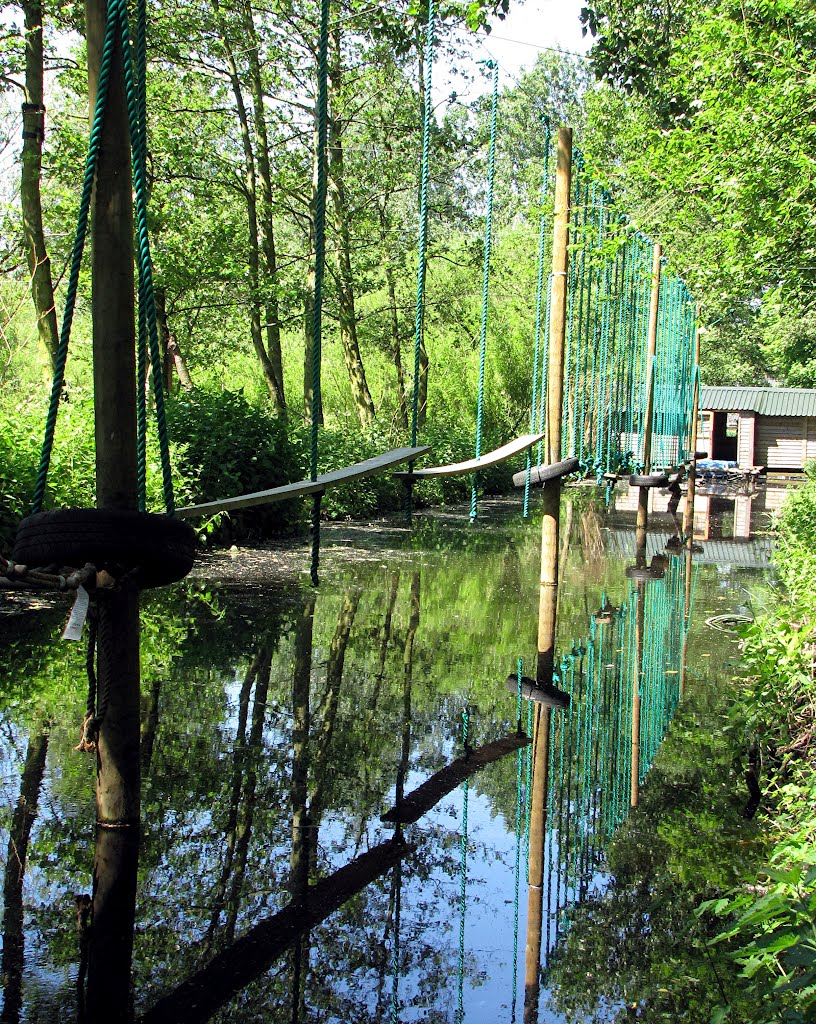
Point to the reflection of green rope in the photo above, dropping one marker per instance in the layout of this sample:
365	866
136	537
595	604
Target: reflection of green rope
319	268
519	798
395	964
491	173
460	1010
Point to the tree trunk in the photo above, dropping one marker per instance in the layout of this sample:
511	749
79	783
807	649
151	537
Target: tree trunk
251	193
396	346
24	814
39	263
363	403
266	225
173	358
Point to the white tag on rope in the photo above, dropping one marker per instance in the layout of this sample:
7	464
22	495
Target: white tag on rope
73	630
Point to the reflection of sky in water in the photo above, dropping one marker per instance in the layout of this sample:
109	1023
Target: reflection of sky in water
477	614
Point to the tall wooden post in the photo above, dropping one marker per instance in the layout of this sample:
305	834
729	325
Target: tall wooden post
688	511
548	591
643	497
118	775
686	611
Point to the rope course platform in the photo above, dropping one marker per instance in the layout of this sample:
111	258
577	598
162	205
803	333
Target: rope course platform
494	458
426	796
347	474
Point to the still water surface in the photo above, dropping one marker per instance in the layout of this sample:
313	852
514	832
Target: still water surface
278	723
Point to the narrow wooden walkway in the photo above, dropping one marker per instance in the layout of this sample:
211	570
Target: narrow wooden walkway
346	475
507	451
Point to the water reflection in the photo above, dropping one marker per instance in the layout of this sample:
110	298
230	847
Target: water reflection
278	726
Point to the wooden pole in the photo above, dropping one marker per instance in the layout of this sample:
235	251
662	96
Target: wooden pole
548	590
643	497
118	773
686	611
688	511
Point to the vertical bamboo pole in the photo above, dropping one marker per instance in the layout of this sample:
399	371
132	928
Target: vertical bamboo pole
118	775
643	497
548	591
688	511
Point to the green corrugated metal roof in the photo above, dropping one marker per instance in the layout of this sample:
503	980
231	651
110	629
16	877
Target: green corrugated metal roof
764	401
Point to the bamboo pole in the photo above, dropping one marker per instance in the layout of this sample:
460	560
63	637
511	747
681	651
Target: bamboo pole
651	350
118	772
548	590
688	511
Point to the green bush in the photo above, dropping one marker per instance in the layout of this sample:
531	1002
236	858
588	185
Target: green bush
225	446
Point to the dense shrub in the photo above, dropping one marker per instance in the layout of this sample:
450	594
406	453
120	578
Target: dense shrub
225	446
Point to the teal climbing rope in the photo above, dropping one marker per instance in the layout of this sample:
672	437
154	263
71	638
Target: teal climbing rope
319	268
116	24
491	174
460	1005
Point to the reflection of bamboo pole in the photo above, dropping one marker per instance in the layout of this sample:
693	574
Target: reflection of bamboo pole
648	415
637	678
535	871
688	511
548	593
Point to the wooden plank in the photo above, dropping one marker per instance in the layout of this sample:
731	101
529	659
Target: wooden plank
294	490
507	451
195	1000
445	781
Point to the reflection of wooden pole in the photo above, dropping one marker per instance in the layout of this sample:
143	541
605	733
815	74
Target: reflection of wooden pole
118	772
654	305
548	592
688	511
640	620
535	873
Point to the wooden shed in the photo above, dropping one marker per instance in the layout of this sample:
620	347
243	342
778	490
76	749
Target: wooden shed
770	427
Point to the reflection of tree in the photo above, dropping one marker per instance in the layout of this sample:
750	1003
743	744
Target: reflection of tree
242	801
24	814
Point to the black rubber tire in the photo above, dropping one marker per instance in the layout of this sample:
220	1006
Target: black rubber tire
160	547
541	474
652	480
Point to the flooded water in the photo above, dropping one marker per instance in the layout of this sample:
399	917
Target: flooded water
281	723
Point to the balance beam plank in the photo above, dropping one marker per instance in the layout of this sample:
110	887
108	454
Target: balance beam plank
294	490
413	806
507	451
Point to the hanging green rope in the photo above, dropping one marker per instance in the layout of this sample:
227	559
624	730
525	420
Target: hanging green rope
319	268
116	25
58	382
422	257
542	240
517	872
491	174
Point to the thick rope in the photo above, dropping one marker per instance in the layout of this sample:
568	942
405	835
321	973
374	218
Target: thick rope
319	269
542	242
91	159
460	1007
491	174
422	257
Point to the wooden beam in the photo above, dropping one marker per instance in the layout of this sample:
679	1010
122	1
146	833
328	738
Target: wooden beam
295	490
494	458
